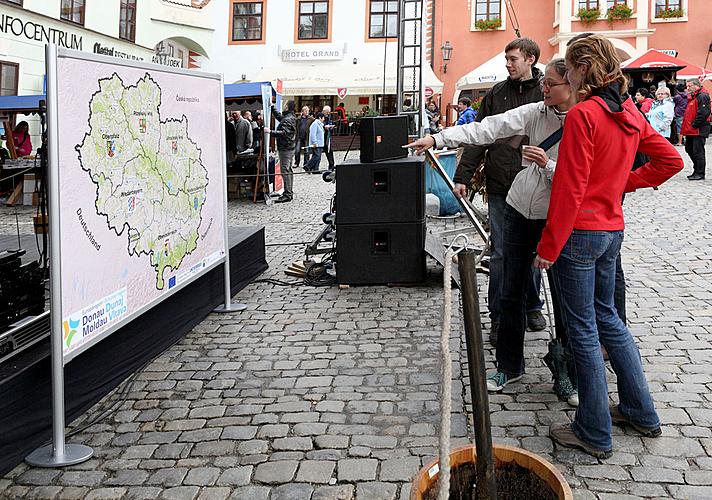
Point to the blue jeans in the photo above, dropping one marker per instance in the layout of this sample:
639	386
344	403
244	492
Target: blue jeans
520	236
585	279
496	205
314	161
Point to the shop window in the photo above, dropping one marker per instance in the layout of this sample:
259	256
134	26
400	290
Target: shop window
662	6
127	20
72	11
588	4
9	74
247	21
313	20
383	19
488	10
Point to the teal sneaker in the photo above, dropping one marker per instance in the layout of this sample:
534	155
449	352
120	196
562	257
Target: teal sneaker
498	380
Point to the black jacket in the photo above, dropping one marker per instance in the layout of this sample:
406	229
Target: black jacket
230	142
286	132
503	159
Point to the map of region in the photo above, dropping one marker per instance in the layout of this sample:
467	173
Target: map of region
150	181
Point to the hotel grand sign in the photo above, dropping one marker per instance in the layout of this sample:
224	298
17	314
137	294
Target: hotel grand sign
324	53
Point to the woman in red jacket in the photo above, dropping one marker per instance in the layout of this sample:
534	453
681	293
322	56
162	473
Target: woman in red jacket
22	140
583	236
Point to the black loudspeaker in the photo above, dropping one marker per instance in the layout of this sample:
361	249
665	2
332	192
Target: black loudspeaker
382	138
368	193
372	254
380	222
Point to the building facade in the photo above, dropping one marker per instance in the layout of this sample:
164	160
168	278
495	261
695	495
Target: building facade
172	32
322	51
480	29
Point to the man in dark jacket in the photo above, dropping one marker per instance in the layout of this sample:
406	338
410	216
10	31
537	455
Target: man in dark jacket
696	127
243	133
304	121
503	161
285	134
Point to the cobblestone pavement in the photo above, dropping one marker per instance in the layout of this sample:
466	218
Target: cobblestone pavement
322	393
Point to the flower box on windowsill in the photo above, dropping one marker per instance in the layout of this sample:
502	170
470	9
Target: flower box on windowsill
588	16
619	12
488	24
670	14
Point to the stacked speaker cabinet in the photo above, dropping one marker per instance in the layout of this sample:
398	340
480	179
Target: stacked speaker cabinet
380	222
382	138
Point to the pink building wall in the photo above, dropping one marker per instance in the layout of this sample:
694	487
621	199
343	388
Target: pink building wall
691	36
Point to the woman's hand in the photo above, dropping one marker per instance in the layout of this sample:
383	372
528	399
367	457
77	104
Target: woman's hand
540	263
535	154
422	144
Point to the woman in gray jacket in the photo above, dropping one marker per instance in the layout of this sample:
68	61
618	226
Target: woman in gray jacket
525	213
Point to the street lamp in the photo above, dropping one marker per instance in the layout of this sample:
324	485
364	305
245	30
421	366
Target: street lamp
446	51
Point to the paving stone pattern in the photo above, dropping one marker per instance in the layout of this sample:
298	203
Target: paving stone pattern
327	393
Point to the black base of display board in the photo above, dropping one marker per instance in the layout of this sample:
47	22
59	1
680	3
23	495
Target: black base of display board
25	383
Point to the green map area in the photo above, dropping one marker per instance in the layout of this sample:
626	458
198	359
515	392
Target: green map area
150	181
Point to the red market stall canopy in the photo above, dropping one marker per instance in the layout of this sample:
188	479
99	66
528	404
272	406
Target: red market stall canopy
656	60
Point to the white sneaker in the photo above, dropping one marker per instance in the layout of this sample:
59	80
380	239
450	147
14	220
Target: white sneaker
573	399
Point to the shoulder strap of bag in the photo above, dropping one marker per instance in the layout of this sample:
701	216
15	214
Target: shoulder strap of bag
547	143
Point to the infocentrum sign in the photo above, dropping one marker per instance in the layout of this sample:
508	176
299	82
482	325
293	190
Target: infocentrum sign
44	33
39	33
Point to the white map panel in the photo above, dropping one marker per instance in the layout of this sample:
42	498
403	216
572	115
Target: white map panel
141	190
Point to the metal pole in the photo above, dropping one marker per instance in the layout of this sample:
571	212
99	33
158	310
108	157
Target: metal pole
228	306
423	63
58	454
486	485
399	58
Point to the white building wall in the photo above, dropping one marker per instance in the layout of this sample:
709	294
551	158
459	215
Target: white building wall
24	31
348	30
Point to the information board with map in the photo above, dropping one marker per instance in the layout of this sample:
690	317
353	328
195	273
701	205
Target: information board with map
141	183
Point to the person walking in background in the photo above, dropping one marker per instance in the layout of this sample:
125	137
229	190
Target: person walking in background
328	133
304	121
680	100
316	143
286	133
642	100
662	112
465	112
696	127
21	138
503	161
583	236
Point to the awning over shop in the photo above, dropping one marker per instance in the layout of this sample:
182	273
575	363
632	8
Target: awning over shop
23	104
335	78
654	59
487	74
243	90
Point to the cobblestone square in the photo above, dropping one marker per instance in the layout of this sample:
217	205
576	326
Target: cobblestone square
327	393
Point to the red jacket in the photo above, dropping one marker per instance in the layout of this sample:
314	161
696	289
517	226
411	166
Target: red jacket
646	105
593	170
696	120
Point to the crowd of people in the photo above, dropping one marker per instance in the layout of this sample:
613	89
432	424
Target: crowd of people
243	134
555	190
308	135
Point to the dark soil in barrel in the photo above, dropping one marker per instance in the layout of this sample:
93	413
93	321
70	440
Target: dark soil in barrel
513	483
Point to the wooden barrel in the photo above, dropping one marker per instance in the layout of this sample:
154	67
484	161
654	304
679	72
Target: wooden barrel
503	454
